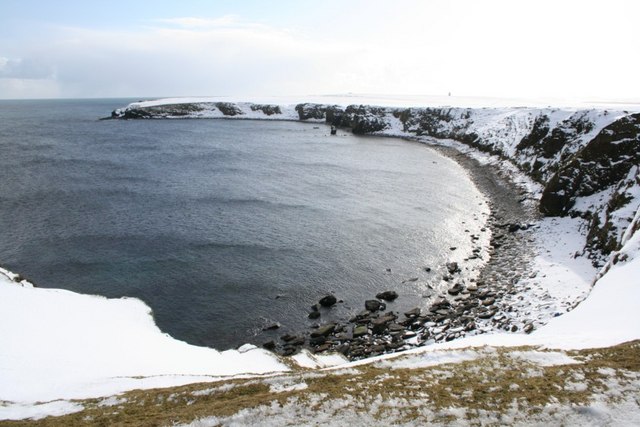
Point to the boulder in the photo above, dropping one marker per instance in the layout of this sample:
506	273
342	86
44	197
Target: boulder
452	267
372	305
360	330
387	295
323	330
328	301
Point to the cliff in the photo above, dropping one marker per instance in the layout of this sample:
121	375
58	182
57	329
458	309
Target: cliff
587	161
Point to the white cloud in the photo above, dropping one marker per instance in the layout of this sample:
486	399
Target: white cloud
499	48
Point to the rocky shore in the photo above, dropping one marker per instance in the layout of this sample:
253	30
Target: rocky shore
586	162
470	306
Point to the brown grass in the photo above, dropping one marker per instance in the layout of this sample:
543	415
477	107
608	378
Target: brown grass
493	383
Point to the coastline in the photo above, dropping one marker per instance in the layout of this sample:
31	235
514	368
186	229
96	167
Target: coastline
495	298
601	321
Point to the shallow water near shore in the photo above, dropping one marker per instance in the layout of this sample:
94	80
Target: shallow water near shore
224	227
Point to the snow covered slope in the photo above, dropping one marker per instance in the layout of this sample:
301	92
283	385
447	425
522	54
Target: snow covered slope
57	345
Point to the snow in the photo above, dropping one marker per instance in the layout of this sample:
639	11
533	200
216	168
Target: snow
544	358
418	101
305	359
57	345
36	411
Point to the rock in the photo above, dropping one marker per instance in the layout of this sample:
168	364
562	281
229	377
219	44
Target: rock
472	287
452	267
528	328
288	351
413	279
314	315
456	289
322	347
314	307
387	295
271	327
360	330
372	305
486	314
323	330
379	325
229	108
415	312
394	327
328	301
269	345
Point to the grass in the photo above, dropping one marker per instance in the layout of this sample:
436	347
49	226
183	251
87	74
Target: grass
494	386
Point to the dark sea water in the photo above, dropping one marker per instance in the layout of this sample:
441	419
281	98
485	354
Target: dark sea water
222	226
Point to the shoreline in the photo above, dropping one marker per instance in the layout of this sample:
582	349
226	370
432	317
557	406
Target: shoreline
482	302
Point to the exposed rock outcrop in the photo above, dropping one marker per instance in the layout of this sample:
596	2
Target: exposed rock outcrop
574	155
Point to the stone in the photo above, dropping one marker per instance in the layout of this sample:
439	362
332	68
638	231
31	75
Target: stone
271	327
528	328
452	267
314	315
269	345
387	295
372	305
394	327
414	312
323	330
456	289
360	330
328	301
322	347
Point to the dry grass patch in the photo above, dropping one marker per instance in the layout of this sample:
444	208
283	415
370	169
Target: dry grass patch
498	385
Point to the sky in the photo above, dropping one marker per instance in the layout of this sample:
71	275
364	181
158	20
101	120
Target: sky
499	48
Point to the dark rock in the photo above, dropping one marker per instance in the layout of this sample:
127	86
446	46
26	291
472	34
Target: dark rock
394	327
452	267
268	110
360	330
387	295
372	305
322	347
288	351
415	312
229	108
323	330
456	289
528	328
314	315
288	337
271	327
328	301
317	340
269	345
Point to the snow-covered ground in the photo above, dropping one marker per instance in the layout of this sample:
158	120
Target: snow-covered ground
56	345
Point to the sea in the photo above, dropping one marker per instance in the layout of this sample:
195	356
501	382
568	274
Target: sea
222	227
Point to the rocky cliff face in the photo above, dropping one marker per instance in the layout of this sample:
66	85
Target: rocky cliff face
587	161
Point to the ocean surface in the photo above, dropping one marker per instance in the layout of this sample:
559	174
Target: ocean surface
223	227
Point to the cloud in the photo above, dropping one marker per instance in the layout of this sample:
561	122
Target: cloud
194	22
495	49
30	68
